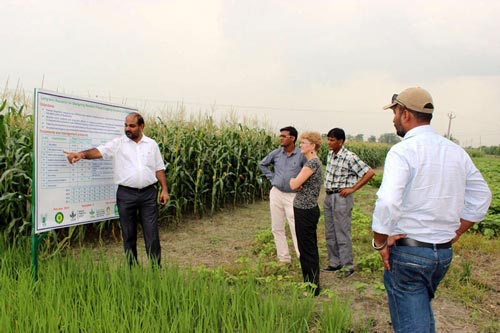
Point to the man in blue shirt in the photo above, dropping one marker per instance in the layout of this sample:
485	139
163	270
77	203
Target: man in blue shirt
287	161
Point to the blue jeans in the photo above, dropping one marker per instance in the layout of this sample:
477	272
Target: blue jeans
411	283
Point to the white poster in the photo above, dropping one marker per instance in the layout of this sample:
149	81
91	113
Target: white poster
72	194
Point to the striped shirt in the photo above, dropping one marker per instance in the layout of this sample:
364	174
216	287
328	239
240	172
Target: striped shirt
343	169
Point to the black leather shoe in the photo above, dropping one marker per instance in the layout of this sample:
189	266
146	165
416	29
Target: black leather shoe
331	268
346	273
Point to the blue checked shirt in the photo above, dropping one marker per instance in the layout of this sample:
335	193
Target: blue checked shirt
343	169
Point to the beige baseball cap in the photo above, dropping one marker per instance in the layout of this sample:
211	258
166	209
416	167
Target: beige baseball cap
415	99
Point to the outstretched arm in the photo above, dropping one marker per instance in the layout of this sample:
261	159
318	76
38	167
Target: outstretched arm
89	154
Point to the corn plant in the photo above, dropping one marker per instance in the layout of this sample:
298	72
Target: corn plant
16	142
209	165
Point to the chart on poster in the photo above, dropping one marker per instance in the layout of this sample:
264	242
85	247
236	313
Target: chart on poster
72	194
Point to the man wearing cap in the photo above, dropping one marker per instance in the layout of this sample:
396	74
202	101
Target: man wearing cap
431	193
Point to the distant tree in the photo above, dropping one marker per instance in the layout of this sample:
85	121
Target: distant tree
492	150
372	138
390	138
359	137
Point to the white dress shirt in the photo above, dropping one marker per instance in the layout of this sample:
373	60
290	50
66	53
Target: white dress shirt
429	183
134	164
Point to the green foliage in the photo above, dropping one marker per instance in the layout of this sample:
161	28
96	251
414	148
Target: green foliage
16	142
376	180
466	274
389	138
82	293
264	244
490	226
492	150
210	166
475	153
372	154
369	262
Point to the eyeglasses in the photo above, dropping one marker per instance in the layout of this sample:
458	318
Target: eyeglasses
305	143
394	99
285	136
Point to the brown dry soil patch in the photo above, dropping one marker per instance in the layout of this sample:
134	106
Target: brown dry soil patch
219	241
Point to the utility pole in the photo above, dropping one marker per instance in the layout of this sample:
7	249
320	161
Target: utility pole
451	116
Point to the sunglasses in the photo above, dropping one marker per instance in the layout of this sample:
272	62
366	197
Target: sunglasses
394	99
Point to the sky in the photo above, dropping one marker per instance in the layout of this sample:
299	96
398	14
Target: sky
313	64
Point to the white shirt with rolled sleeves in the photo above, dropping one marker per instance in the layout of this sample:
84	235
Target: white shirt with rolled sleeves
135	164
429	183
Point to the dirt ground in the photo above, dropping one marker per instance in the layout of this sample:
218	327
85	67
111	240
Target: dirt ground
220	240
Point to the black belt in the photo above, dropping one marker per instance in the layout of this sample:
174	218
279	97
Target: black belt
413	242
333	191
144	189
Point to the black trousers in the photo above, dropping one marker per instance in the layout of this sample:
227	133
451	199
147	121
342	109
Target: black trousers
306	224
139	207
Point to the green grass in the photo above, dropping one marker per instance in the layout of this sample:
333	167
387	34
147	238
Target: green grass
82	293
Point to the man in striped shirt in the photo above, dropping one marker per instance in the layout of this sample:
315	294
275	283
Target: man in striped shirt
345	174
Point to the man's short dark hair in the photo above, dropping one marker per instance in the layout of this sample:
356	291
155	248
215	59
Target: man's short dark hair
337	133
423	117
140	119
292	130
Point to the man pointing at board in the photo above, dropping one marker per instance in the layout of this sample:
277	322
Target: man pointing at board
138	166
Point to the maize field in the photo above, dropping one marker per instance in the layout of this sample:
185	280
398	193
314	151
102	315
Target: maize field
209	165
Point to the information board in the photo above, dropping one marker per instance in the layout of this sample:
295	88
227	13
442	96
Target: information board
72	194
